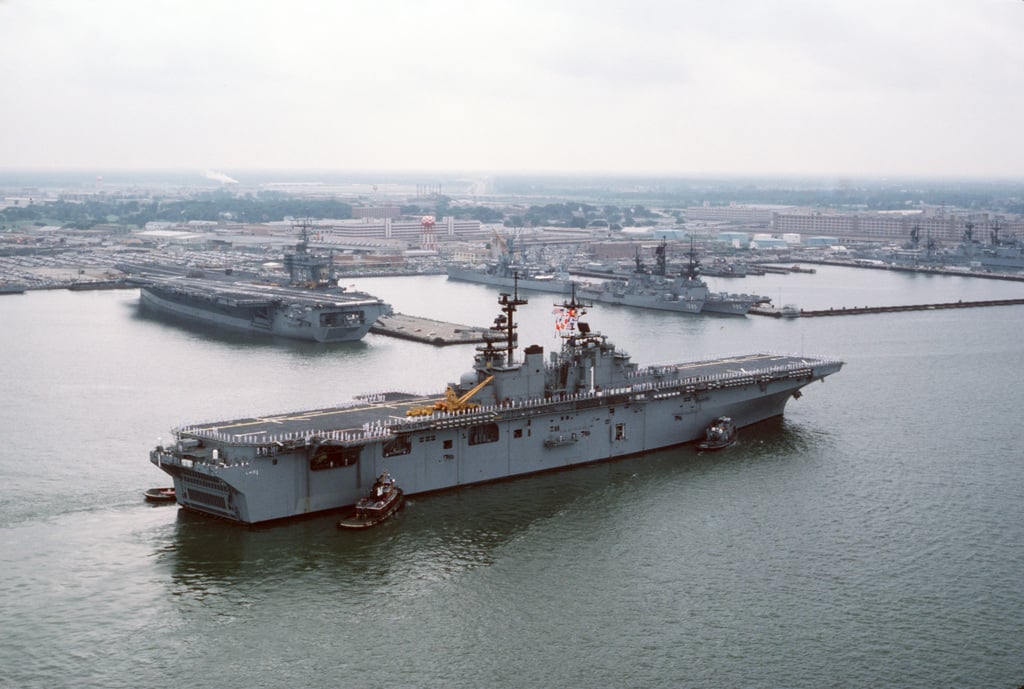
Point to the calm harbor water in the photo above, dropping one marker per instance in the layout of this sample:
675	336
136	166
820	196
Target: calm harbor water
874	536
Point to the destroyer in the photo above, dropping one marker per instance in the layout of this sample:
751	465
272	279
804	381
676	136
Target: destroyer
507	272
505	417
311	306
685	293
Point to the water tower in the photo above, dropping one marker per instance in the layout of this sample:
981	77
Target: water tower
427	223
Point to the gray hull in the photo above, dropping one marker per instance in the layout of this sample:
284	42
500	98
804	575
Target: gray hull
729	304
585	403
680	303
685	293
236	471
691	301
280	312
548	284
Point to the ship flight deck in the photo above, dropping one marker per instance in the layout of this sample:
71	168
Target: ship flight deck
244	294
386	412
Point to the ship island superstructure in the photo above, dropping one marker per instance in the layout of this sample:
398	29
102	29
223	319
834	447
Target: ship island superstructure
505	417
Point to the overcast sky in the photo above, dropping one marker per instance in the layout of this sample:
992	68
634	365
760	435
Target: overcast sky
867	87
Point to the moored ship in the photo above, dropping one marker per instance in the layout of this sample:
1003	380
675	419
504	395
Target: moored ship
504	275
505	417
684	293
507	272
12	288
310	306
332	315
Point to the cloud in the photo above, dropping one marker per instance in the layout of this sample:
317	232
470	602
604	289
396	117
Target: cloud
560	85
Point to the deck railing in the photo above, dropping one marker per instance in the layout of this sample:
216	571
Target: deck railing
662	380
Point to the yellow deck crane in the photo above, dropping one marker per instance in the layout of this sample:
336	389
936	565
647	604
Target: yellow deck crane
451	402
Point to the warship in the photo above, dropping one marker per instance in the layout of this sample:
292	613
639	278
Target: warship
684	293
310	306
506	271
505	417
1001	254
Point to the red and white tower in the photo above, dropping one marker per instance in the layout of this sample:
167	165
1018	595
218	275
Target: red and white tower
427	240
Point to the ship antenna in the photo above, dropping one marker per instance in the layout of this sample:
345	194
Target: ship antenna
693	268
507	323
569	323
660	263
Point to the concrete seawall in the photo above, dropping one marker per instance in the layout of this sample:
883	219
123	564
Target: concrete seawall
427	330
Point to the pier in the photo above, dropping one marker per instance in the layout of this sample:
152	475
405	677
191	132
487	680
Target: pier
857	310
439	333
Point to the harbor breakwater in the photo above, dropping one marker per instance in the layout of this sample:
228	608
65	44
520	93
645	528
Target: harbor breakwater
858	310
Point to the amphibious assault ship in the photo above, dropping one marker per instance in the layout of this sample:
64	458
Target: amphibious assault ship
505	417
684	293
311	306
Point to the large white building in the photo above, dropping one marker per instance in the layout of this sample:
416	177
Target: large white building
894	226
412	231
736	213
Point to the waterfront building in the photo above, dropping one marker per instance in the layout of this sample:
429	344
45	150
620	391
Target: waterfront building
447	228
378	212
738	240
896	226
763	240
822	241
759	215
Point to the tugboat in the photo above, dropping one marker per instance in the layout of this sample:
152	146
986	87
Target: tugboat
384	500
719	435
160	494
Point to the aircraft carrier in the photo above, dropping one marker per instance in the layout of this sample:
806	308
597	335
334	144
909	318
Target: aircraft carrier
310	306
505	417
334	315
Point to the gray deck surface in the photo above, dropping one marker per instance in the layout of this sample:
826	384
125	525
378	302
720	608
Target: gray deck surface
428	330
247	294
354	417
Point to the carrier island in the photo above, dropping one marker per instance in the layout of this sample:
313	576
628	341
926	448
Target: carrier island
506	417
